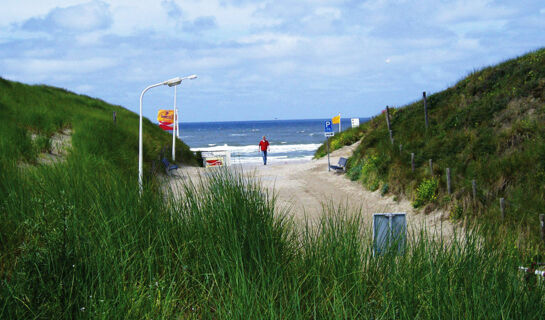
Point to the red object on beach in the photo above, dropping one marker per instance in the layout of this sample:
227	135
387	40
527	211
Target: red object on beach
166	126
213	163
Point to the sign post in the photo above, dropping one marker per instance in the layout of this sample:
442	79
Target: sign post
328	132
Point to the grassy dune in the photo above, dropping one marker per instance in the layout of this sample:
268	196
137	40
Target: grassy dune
77	241
487	128
86	246
42	111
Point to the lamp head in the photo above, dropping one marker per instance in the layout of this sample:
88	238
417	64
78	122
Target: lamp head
173	82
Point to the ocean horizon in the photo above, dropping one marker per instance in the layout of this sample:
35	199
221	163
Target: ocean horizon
290	140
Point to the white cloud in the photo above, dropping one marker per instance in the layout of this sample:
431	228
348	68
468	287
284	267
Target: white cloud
82	17
44	67
471	10
319	53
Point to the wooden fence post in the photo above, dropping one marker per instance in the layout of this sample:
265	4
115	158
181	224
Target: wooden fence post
388	124
388	118
400	148
502	208
431	167
115	118
412	161
391	137
542	223
449	189
474	189
425	108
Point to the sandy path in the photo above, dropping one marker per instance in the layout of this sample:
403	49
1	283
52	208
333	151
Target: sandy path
306	187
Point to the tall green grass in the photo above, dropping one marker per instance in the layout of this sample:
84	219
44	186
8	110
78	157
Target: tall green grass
77	241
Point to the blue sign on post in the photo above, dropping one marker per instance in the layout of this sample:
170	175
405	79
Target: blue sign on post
328	129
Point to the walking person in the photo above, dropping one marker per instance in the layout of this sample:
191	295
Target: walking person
264	147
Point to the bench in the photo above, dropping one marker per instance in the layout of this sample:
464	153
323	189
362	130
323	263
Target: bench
168	166
341	166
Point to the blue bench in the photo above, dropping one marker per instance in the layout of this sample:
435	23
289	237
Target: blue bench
341	166
168	166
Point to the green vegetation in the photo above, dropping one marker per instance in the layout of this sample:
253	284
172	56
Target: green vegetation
426	192
348	137
42	111
78	241
487	128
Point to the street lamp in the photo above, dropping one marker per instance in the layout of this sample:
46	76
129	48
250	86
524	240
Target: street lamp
175	124
172	82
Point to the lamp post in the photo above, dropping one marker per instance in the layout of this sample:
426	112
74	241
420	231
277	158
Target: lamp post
174	127
175	124
172	82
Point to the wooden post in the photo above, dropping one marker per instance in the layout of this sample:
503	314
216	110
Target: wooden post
542	223
388	124
431	167
115	118
449	189
425	108
502	208
400	148
474	189
391	137
388	118
412	161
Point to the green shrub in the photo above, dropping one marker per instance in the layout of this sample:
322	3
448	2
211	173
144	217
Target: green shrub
384	189
354	172
371	171
426	192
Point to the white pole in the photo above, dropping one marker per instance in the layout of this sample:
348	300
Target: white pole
177	125
174	128
140	142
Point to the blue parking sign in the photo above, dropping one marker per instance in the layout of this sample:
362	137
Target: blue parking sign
328	127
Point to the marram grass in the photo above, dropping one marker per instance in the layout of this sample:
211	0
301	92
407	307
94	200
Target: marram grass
78	242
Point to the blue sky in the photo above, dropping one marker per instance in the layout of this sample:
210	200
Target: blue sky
260	60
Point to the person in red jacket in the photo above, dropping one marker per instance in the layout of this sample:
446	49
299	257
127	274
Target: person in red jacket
264	147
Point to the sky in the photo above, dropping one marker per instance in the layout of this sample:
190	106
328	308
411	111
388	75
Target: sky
262	59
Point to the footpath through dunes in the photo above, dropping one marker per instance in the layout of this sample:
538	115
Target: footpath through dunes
308	190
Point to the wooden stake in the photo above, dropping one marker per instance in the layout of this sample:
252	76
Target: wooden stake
474	189
388	118
449	190
425	108
412	161
431	167
400	148
391	137
388	124
115	118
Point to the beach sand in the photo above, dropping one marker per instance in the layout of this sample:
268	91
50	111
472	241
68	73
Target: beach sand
307	187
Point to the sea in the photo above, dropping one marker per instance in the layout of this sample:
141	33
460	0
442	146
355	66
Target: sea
290	140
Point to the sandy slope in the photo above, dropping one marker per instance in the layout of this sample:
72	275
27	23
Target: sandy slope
305	187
